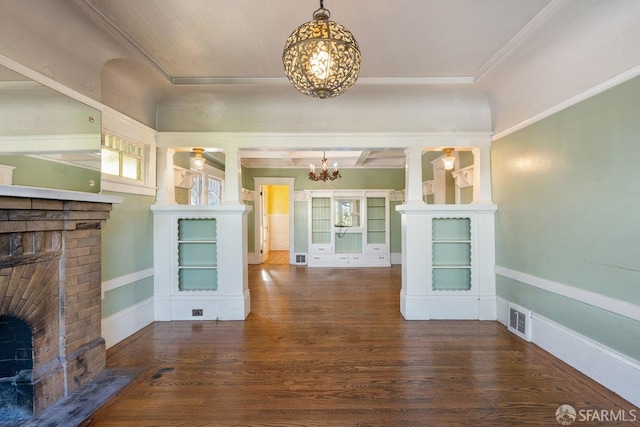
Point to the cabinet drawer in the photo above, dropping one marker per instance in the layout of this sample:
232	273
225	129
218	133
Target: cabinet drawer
355	260
376	249
341	259
320	249
320	260
376	260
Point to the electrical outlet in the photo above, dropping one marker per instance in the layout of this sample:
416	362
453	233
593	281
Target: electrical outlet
196	312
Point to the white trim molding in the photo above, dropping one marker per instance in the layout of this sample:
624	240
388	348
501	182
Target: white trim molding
606	85
127	279
613	305
127	322
617	372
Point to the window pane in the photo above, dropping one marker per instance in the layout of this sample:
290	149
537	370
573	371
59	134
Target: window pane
130	167
110	162
214	190
195	190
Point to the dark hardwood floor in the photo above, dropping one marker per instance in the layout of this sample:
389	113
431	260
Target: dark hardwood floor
329	347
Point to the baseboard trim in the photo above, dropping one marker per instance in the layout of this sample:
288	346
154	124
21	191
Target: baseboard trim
396	258
127	322
617	372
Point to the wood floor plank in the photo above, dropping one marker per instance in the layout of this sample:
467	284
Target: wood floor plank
328	347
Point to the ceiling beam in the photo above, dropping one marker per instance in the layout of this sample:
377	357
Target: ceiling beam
287	158
363	158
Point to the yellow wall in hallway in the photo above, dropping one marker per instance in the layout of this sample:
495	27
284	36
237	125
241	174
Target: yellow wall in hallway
277	199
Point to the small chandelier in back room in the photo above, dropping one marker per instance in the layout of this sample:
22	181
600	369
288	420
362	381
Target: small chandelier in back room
324	174
321	58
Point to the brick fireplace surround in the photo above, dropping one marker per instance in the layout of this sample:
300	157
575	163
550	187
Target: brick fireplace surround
50	278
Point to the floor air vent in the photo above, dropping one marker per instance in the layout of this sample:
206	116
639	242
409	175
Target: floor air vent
301	259
520	321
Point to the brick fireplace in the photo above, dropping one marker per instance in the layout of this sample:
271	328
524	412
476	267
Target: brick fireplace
50	282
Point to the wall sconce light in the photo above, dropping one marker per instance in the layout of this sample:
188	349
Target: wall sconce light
448	160
197	161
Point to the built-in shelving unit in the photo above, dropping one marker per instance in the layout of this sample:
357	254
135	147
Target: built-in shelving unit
376	220
451	240
197	255
349	228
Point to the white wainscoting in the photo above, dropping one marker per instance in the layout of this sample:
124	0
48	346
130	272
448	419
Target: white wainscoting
124	323
617	372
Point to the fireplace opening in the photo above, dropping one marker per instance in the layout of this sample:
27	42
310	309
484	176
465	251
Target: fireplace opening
16	365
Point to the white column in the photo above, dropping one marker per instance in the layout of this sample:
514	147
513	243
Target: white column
413	175
166	193
482	175
232	177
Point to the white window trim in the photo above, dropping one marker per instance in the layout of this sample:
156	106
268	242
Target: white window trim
116	124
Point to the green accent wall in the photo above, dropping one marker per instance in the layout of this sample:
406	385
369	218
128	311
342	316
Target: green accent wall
251	227
567	194
120	298
380	179
395	234
127	247
300	224
35	172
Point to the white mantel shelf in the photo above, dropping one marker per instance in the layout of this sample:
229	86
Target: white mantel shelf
52	194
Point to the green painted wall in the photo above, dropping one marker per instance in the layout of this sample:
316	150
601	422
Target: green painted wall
361	179
395	235
567	194
127	247
29	171
251	228
300	223
351	178
118	299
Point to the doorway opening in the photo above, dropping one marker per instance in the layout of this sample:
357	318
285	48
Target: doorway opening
274	224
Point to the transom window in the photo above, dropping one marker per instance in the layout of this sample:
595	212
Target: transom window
122	158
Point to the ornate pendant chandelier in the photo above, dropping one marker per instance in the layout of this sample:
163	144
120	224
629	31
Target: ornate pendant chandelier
324	174
321	58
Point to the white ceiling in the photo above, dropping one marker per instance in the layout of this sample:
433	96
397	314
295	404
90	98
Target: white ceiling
205	42
239	39
215	65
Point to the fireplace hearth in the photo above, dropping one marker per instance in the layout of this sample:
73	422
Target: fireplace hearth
50	287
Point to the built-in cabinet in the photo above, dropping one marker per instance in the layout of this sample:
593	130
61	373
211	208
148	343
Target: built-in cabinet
349	228
200	262
448	260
